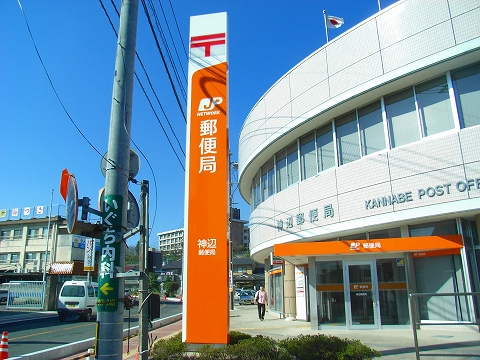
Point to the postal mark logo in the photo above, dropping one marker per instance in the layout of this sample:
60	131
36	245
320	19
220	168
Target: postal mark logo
206	42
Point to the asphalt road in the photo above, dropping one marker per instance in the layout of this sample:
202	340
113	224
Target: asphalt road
38	334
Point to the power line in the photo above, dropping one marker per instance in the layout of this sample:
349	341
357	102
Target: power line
125	172
163	59
173	42
146	95
167	48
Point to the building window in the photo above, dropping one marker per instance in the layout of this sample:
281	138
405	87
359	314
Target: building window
292	164
325	148
370	122
281	170
32	233
4	235
385	234
3	258
17	234
14	258
467	90
434	106
257	196
447	227
308	157
402	118
347	138
268	179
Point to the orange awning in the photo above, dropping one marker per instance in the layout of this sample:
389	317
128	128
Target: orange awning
349	247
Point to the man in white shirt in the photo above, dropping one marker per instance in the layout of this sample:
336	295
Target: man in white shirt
261	300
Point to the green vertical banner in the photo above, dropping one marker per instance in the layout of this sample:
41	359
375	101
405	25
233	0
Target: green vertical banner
108	285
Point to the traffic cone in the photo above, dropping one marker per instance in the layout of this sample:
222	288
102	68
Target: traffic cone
4	346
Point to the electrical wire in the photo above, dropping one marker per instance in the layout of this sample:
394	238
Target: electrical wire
58	96
171	36
163	59
178	30
152	88
167	48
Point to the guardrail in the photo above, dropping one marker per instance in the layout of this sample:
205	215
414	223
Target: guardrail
416	322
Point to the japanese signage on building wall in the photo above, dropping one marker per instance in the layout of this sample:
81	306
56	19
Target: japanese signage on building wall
206	188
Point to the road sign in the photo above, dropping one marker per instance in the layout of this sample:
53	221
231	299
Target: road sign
89	262
133	211
134	164
71	203
112	210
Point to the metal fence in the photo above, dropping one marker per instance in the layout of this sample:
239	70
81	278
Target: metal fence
416	321
26	295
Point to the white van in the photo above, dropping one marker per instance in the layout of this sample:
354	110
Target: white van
77	298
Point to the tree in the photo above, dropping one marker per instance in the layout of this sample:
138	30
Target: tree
170	286
153	284
131	256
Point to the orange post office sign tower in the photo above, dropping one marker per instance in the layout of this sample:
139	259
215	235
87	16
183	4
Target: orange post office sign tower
206	233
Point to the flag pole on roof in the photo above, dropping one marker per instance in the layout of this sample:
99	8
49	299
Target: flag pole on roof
331	22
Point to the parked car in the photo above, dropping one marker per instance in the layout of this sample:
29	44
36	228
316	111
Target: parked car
246	298
236	296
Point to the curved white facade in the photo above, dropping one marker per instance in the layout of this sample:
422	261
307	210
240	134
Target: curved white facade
382	112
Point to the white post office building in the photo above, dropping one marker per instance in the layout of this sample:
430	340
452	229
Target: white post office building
362	168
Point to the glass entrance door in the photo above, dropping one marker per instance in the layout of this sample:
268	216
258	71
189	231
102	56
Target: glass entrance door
361	293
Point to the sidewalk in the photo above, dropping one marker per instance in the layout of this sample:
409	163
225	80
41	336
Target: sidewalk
393	344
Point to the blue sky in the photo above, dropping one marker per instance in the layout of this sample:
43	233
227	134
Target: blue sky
77	46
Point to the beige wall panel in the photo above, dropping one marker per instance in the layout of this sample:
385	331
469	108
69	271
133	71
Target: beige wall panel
287	201
277	121
309	73
460	7
251	135
407	18
321	186
352	205
322	207
356	74
428	182
472	172
470	143
277	97
362	173
317	94
425	156
466	26
418	46
359	44
260	223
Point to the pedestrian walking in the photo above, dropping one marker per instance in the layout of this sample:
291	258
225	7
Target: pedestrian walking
261	299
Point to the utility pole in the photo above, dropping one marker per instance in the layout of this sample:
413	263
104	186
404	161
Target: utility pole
114	206
143	267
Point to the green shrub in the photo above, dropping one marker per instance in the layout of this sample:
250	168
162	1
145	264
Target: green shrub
170	348
245	347
355	350
256	348
236	336
325	347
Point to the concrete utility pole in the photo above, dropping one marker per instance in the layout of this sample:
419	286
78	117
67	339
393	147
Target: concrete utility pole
143	265
114	212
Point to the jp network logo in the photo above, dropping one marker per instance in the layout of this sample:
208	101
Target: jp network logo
209	103
207	106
